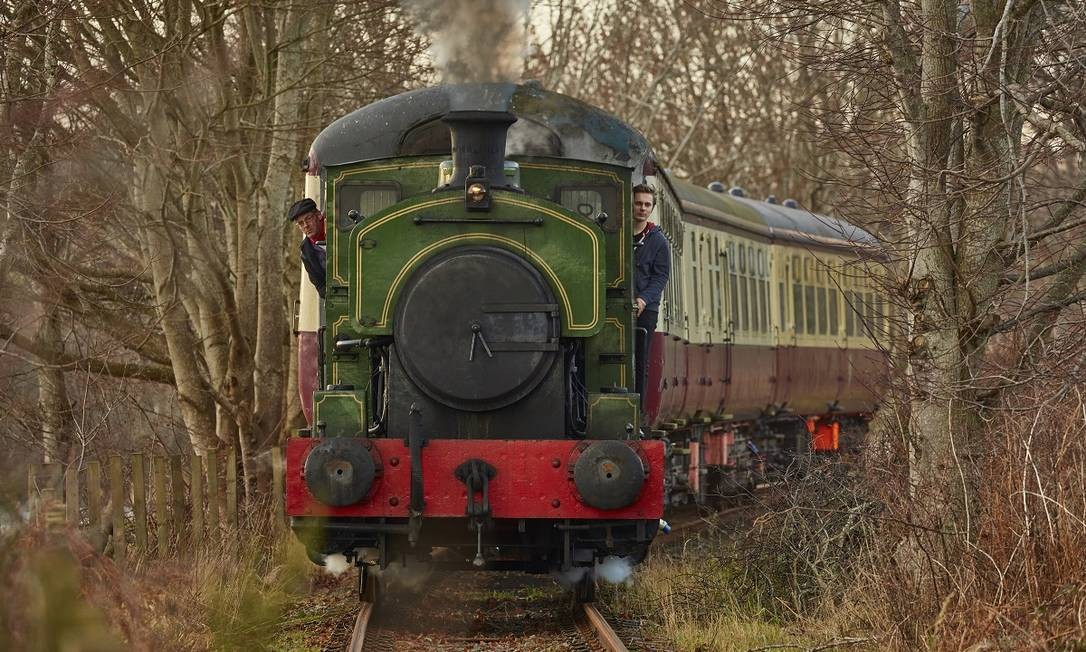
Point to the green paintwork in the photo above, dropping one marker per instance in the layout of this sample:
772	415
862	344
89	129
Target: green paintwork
566	248
343	413
609	414
588	268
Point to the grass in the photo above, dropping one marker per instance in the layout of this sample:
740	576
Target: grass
63	595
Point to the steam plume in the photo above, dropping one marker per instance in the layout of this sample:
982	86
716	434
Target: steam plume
474	40
336	564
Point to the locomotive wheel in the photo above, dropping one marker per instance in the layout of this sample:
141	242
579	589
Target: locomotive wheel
585	589
368	589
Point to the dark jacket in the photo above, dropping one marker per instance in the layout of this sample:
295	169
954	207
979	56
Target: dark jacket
652	266
313	258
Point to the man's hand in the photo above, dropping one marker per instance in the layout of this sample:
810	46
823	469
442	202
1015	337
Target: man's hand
640	305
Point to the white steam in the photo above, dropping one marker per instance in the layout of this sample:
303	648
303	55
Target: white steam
474	40
570	577
613	570
336	564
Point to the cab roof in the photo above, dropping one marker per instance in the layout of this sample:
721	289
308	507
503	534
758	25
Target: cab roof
549	124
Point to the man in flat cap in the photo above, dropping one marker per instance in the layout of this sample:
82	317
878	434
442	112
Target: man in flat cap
304	213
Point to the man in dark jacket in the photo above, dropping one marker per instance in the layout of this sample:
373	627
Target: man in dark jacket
304	213
652	267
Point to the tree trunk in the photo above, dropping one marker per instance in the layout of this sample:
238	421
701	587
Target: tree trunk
272	346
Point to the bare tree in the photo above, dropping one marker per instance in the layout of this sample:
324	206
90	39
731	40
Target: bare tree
191	120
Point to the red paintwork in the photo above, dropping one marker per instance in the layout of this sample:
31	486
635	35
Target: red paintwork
526	485
667	379
687	380
696	355
825	435
715	445
307	371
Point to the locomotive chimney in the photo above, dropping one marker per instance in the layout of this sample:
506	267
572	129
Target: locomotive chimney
478	139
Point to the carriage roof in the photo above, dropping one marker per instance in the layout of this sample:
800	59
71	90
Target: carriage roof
549	124
774	221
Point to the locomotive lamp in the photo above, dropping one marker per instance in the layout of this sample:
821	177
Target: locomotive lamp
477	189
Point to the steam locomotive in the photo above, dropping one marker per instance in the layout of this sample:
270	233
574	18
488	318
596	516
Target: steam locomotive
469	376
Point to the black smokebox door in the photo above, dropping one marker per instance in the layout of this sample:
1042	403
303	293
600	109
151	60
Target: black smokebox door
477	328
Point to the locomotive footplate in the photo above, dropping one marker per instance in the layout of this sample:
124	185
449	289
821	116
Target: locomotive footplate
531	479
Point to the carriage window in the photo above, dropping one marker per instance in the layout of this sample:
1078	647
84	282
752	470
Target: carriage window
763	295
833	312
734	321
822	321
850	313
696	268
809	299
368	199
742	259
797	307
707	272
783	306
795	269
869	304
744	312
718	297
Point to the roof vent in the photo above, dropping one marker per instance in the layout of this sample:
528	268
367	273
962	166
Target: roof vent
717	186
791	203
772	199
736	191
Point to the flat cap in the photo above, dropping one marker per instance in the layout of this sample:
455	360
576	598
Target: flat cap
300	208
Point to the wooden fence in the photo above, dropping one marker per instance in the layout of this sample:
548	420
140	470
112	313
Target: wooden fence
162	505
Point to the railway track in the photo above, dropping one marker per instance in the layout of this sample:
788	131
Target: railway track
510	612
590	624
503	611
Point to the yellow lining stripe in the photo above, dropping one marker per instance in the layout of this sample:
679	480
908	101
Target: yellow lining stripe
361	407
513	244
335	332
622	238
622	345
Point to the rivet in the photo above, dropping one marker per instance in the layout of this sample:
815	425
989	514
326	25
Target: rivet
394	501
556	503
556	462
395	461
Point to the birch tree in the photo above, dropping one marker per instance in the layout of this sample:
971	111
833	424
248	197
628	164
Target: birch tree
200	113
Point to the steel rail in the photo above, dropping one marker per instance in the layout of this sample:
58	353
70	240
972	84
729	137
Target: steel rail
608	638
358	635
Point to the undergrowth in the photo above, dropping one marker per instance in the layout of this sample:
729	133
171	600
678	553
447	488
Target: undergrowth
64	595
828	564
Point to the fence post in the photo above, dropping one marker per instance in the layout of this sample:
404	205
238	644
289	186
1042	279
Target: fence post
196	478
158	481
139	500
94	492
116	489
177	496
213	496
71	496
277	486
53	494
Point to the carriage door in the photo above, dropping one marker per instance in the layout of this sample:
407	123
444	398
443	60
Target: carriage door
785	328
